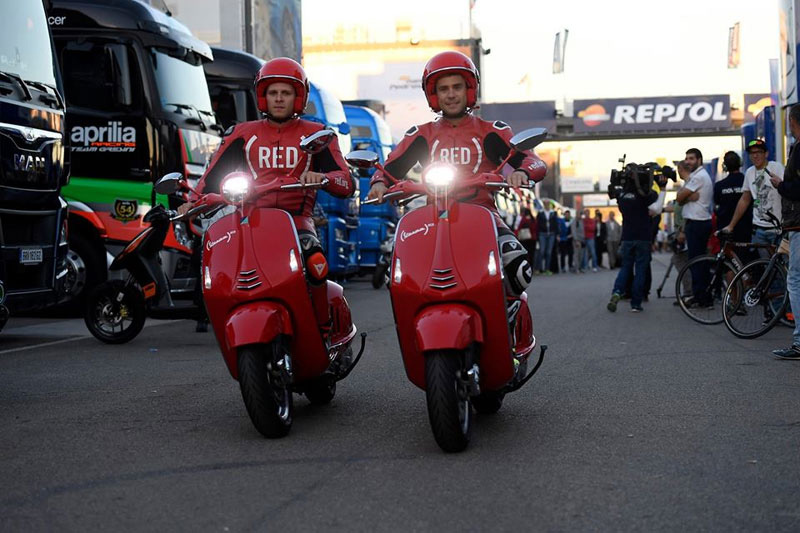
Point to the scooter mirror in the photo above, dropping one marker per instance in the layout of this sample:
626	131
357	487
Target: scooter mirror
169	183
525	140
317	142
362	158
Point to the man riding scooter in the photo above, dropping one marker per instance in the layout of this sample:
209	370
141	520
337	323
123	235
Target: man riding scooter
270	149
473	146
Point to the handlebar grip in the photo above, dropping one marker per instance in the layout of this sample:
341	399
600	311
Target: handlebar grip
292	186
386	197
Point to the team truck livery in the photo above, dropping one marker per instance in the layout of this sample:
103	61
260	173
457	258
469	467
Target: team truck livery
33	216
230	82
137	108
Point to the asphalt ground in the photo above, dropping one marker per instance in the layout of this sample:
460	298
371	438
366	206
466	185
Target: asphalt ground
635	422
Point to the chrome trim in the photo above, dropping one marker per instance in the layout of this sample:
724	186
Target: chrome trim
61	274
247	280
442	271
248	287
247	273
443	287
445	278
31	134
348	338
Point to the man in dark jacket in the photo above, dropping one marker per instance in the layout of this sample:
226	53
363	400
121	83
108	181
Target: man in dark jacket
789	189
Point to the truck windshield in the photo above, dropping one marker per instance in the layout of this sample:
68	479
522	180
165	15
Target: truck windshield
180	83
25	48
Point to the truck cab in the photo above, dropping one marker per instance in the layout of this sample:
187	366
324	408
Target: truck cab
137	108
368	131
230	82
33	216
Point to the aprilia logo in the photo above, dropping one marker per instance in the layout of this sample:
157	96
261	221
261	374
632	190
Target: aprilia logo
111	138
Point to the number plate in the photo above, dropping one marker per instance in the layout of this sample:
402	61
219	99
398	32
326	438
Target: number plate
30	256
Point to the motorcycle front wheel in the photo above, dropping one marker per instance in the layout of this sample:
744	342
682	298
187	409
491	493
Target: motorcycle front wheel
264	380
449	409
115	312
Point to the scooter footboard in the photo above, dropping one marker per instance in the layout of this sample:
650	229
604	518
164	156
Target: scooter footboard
254	323
450	327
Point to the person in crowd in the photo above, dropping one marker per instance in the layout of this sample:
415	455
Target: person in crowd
600	239
589	234
548	231
613	236
565	242
788	187
696	196
528	233
661	239
759	190
578	241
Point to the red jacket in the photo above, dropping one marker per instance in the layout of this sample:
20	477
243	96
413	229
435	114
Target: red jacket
473	146
269	151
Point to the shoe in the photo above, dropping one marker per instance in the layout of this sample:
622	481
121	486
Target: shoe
792	354
612	304
594	269
636	309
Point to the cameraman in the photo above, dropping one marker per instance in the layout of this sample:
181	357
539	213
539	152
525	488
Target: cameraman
696	197
637	205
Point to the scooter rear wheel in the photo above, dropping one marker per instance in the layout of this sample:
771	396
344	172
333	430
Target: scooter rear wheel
265	389
115	312
449	409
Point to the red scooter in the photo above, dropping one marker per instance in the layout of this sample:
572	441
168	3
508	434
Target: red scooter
448	299
258	302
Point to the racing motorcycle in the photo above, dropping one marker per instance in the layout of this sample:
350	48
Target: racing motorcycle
448	299
258	303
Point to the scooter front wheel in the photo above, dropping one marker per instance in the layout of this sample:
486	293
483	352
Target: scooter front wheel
449	409
115	312
264	379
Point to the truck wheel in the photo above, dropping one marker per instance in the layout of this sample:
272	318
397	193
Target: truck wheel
86	267
115	312
449	409
265	388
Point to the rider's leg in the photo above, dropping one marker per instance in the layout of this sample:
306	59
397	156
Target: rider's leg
317	276
516	267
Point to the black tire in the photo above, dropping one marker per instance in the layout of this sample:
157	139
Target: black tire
718	283
449	409
115	312
268	402
749	312
321	390
488	402
379	275
86	268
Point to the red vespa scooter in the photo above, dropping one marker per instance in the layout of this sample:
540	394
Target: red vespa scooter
448	300
259	306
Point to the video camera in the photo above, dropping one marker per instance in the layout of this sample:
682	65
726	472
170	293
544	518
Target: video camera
638	179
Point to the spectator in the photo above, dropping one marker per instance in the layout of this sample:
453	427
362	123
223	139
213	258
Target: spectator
613	235
578	241
696	197
600	239
528	233
548	230
589	234
565	242
661	239
727	193
789	189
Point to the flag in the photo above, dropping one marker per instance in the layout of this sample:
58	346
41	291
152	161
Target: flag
559	51
733	46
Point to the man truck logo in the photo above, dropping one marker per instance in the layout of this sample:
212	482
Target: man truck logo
110	138
28	163
125	210
594	115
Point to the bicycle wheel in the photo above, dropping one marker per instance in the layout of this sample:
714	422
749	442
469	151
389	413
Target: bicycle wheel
756	299
706	307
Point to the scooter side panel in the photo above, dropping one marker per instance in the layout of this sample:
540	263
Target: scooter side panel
342	330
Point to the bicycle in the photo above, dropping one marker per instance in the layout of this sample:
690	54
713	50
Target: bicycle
706	308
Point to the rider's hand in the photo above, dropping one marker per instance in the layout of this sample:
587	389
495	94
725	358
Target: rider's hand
517	178
311	178
183	208
775	180
727	229
377	191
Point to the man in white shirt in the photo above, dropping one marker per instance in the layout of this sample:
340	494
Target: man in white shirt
696	197
758	188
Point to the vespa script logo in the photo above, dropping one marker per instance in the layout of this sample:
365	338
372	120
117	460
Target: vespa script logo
225	238
423	230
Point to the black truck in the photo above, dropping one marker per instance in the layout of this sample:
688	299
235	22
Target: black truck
33	216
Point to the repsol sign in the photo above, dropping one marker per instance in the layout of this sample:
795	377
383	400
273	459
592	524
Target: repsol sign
675	113
110	137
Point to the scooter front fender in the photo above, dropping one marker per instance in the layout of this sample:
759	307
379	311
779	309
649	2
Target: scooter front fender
258	322
448	327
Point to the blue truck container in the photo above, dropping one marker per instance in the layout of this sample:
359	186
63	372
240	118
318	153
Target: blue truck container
368	131
748	134
765	129
340	241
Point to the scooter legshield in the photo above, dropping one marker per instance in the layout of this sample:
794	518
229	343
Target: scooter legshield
450	261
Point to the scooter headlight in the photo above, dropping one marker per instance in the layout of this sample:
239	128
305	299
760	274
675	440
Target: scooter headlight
439	176
235	188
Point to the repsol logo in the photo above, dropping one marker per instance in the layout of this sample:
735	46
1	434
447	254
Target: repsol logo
114	137
28	163
655	113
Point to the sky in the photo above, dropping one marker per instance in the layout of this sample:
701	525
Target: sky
616	48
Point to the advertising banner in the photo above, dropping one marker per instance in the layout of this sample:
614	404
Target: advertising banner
659	114
522	115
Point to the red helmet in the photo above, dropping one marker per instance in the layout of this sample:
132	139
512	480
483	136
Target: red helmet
284	70
446	64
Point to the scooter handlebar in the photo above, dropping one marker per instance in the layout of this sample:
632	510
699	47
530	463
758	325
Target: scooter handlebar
292	186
